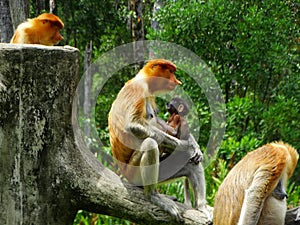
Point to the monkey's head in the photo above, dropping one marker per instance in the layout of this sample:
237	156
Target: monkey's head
178	105
160	75
50	26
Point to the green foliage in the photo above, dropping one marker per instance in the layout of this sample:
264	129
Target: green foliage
247	44
215	173
293	193
281	121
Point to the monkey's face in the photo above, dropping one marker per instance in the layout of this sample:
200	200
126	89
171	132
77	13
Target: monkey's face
171	109
50	35
179	106
163	79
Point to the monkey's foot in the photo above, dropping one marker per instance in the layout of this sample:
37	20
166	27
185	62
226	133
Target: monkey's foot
167	205
207	210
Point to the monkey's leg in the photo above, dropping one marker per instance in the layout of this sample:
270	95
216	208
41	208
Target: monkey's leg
149	165
187	193
149	168
195	174
197	180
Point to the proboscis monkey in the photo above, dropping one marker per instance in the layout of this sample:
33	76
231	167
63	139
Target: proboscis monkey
43	29
135	135
254	191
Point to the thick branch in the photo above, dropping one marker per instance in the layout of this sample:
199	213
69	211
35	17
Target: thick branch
101	191
293	216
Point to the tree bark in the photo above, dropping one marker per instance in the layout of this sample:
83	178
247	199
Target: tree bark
19	11
137	30
6	27
87	86
52	6
40	5
158	5
293	216
46	174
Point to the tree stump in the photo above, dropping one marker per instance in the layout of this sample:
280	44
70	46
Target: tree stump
46	175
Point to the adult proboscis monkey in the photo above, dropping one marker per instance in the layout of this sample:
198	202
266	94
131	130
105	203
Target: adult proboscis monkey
43	29
254	191
135	136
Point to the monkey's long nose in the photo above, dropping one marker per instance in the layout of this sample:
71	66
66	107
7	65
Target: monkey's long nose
61	37
178	82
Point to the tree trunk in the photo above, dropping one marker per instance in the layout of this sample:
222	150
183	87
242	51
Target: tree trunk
52	6
137	29
6	27
87	87
158	4
40	5
46	174
19	11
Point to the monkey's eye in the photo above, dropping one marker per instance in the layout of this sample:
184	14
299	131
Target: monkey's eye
171	71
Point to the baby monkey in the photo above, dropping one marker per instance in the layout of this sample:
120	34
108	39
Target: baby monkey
178	109
178	127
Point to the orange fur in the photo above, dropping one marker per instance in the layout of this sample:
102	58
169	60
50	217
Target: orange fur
43	29
130	107
259	171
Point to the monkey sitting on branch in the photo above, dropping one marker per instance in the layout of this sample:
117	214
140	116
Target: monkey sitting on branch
136	139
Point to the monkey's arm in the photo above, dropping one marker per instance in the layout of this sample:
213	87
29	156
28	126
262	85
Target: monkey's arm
165	127
266	181
252	207
263	183
173	143
145	131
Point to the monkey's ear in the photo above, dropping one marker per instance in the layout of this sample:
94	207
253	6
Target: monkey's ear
180	108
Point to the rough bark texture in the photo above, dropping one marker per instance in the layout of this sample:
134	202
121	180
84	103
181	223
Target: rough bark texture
19	11
293	216
45	174
6	27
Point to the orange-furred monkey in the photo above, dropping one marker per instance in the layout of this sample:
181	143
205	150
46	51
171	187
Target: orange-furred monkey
135	135
253	193
43	29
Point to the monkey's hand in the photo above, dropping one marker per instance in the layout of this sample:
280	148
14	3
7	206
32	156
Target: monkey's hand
138	130
197	157
192	146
